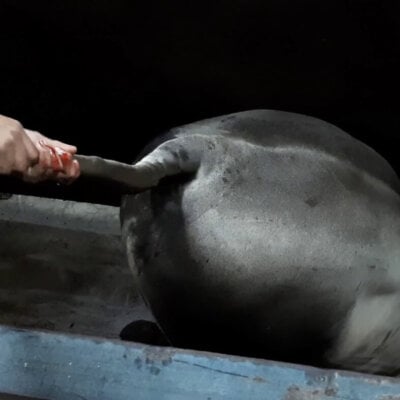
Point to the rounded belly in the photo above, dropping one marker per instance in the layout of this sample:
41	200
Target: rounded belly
267	265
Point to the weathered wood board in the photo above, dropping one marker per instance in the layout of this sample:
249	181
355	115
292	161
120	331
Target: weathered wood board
70	367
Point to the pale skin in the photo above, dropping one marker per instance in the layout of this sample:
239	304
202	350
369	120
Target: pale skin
23	153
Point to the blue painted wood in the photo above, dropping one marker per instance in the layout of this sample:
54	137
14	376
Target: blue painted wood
65	367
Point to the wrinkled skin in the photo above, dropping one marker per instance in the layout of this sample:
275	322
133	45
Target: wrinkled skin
273	235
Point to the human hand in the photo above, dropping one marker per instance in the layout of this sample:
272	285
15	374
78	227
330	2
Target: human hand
34	157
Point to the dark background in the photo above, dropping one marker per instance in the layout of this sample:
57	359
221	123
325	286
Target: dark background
109	75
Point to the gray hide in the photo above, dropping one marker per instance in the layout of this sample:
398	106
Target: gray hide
270	234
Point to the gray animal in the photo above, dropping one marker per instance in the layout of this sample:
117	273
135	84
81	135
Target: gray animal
270	234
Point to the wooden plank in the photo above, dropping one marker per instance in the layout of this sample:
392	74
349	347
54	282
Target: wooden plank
62	367
82	217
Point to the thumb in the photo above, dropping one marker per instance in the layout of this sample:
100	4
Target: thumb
64	146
